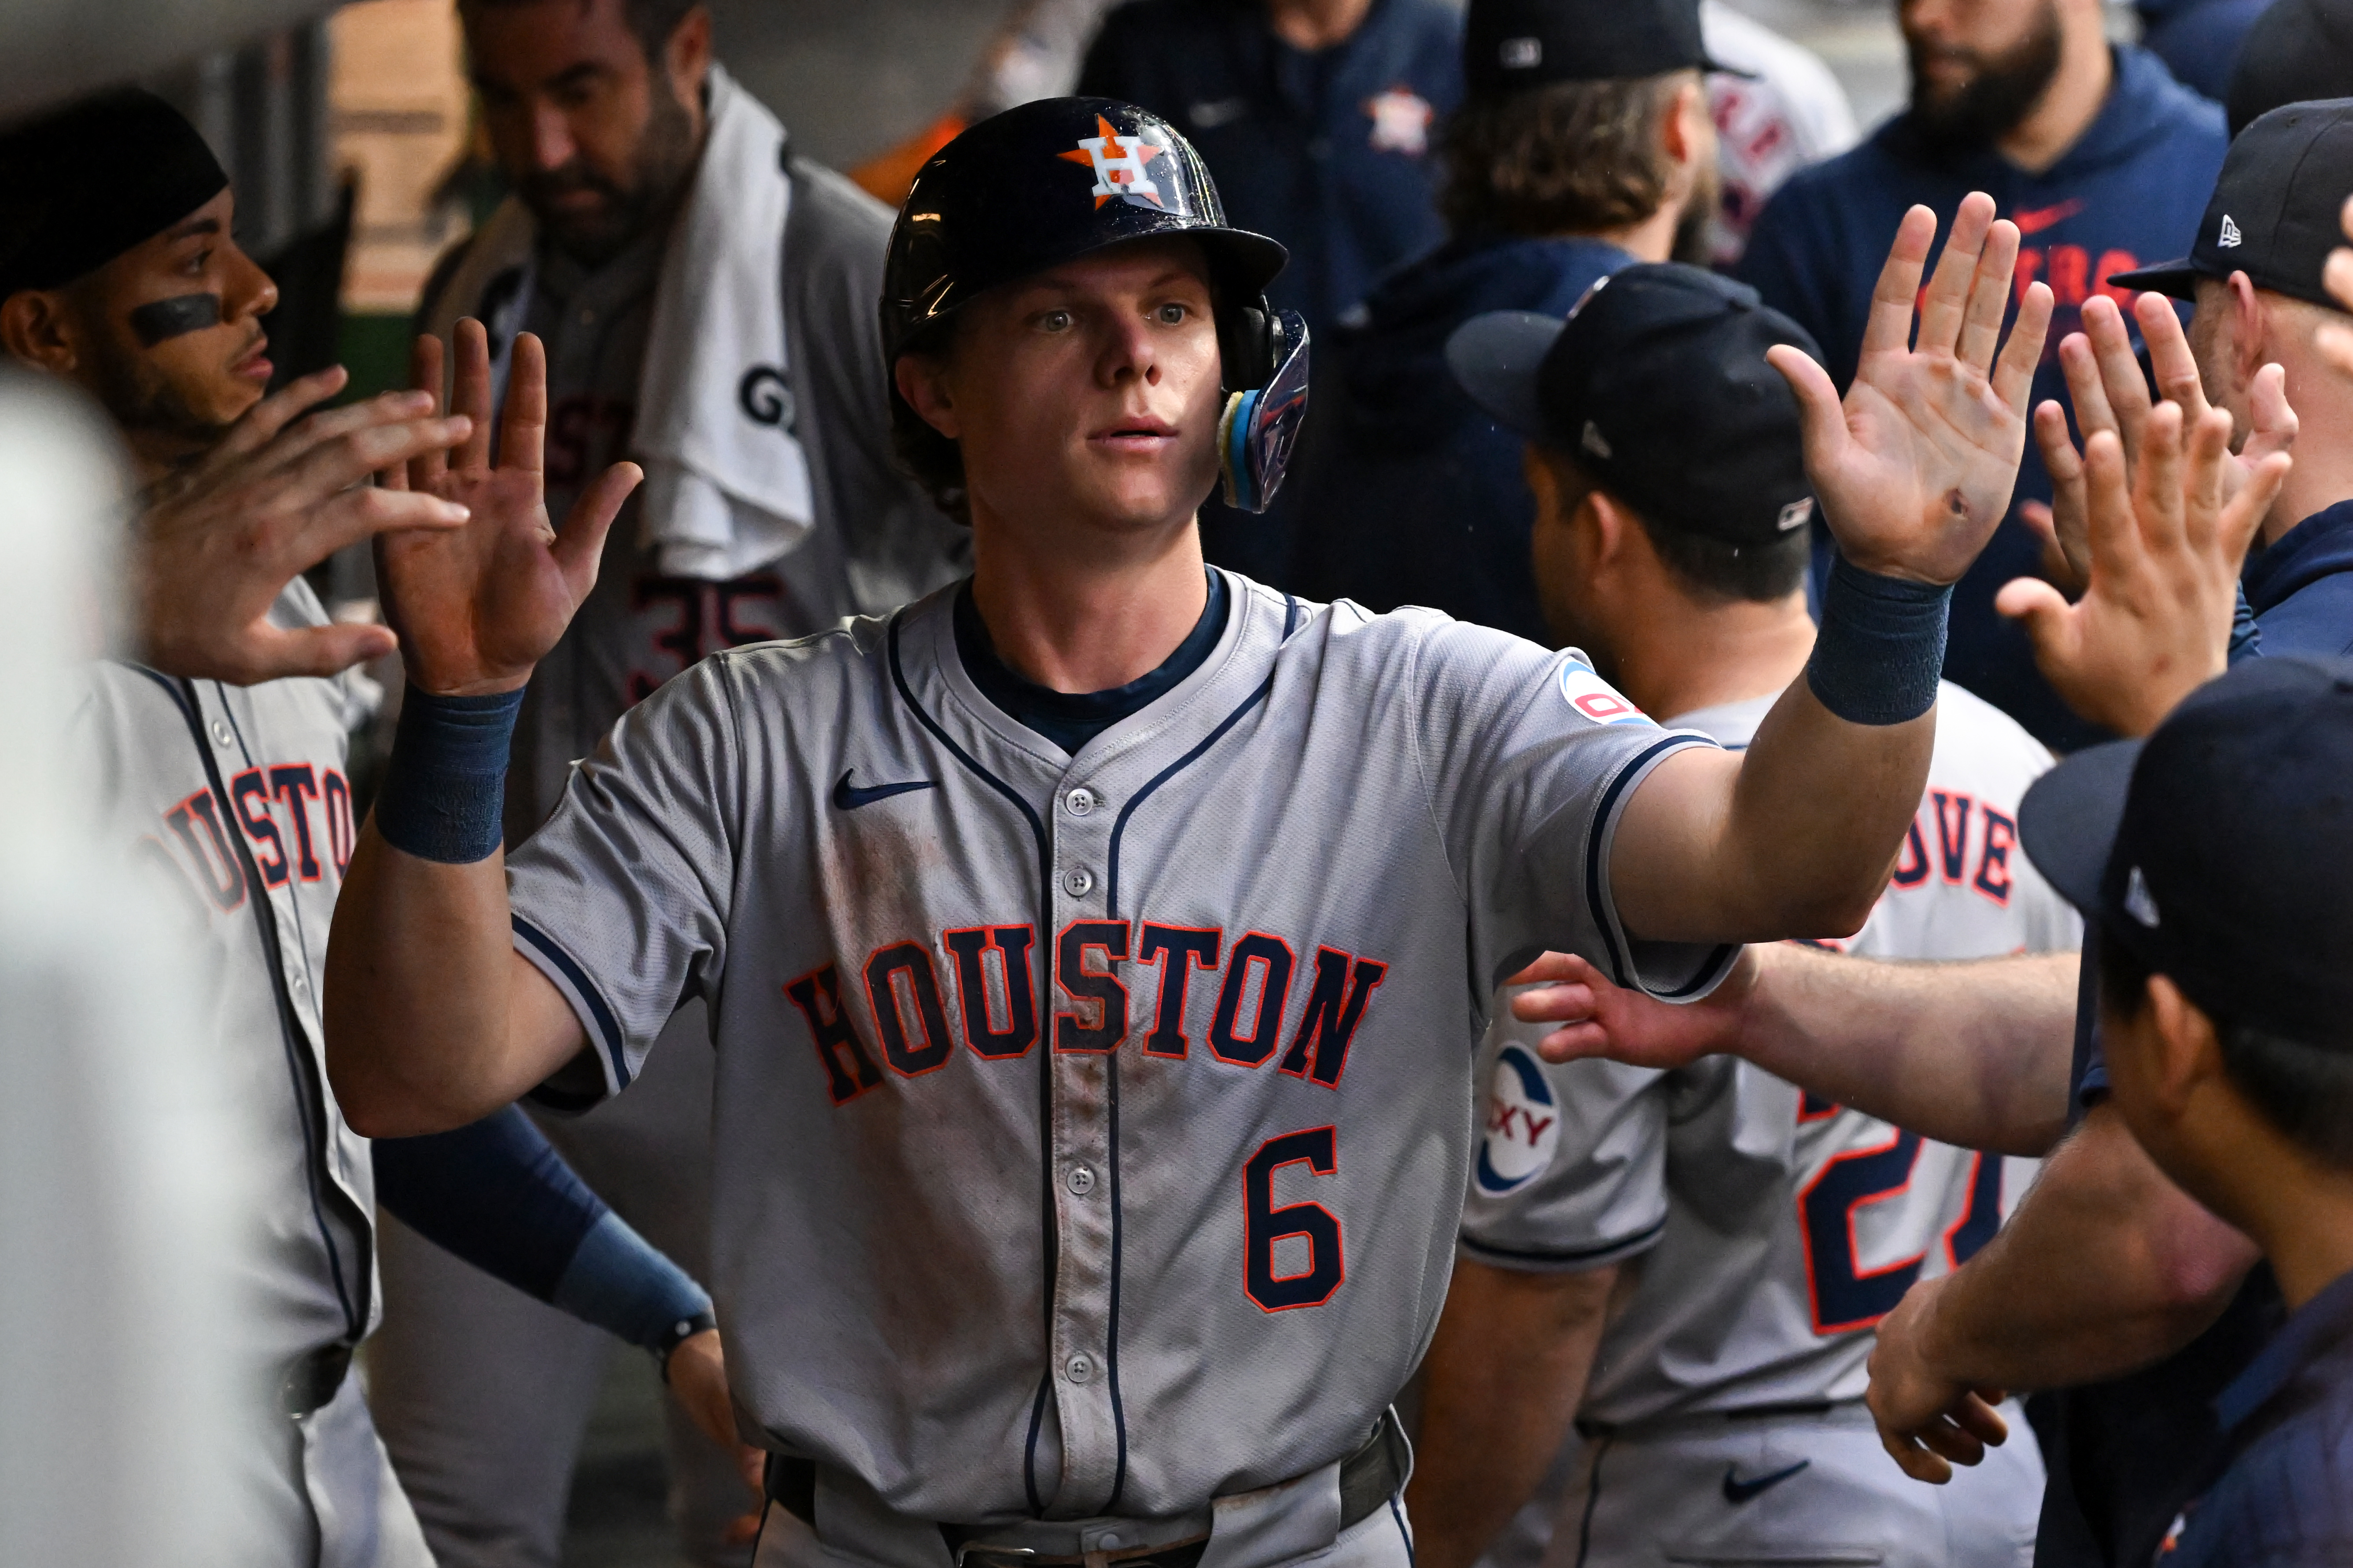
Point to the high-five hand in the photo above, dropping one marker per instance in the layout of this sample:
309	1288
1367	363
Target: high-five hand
2165	546
477	606
216	543
2106	383
1913	470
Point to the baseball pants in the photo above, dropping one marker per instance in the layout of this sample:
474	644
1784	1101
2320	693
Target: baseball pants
483	1395
1812	1489
320	1490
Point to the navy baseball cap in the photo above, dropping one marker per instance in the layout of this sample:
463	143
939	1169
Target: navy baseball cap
1657	386
2274	213
2220	850
2296	50
1508	44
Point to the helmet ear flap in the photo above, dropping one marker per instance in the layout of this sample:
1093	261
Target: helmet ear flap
1249	345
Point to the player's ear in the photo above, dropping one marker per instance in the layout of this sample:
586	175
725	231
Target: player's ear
921	380
1609	528
38	327
2250	341
2186	1049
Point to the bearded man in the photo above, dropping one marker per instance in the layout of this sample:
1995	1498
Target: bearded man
2098	155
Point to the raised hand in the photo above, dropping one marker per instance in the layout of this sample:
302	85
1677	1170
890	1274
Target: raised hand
2164	553
2106	383
477	606
1913	471
1600	1018
216	543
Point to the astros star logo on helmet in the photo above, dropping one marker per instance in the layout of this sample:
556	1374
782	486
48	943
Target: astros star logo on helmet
1119	162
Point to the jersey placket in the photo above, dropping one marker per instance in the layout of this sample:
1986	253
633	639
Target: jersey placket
1083	1146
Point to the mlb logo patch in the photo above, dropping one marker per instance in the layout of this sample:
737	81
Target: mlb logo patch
1523	1124
1595	698
1120	165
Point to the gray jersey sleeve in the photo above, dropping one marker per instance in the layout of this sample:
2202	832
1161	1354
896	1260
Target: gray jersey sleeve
636	868
1526	805
1571	1168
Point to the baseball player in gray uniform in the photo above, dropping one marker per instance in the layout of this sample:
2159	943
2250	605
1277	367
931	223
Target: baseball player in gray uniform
706	301
234	802
1721	1242
1093	952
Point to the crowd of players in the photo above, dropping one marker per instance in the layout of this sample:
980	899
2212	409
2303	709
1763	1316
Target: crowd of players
1731	1295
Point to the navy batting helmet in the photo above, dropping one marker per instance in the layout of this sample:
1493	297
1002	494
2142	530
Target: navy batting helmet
1050	180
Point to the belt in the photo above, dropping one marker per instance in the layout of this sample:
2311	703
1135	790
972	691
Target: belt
1368	1478
314	1379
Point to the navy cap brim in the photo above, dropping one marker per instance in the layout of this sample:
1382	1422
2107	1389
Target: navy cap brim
1495	358
2067	823
2176	280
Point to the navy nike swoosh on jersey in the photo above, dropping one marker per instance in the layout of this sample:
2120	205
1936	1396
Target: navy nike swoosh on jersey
848	796
1736	1490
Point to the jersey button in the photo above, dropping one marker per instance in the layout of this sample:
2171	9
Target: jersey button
1081	1181
1080	1368
223	736
1078	881
1079	802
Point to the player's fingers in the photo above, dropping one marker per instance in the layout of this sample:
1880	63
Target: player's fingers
263	422
2157	493
1553	967
1914	1460
2081	366
2203	476
1976	1415
333	467
362	512
1566	1003
2337	272
1576	1043
1888	328
2014	372
425	363
1821	421
2110	527
2170	363
277	652
2236	530
1948	1441
386	409
470	390
1988	300
1946	304
2122	390
2336	345
581	544
2272	422
522	436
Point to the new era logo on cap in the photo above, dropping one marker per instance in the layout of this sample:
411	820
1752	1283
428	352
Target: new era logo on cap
2138	902
1797	514
1520	54
1594	441
2230	235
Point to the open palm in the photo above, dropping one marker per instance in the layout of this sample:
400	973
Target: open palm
477	606
1913	470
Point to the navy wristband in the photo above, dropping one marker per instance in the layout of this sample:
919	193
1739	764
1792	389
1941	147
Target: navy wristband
617	1281
444	794
1881	649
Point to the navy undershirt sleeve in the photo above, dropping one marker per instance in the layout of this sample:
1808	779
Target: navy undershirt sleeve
497	1194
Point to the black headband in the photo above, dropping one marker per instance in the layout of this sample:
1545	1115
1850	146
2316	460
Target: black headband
81	186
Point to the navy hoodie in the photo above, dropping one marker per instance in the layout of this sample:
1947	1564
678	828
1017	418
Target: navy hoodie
2130	191
2301	588
1408	493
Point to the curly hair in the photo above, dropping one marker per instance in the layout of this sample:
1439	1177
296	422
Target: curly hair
1566	158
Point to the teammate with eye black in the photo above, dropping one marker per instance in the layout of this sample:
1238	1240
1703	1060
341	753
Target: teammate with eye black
1094	950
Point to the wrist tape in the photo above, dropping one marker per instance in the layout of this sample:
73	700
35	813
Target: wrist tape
444	791
1881	649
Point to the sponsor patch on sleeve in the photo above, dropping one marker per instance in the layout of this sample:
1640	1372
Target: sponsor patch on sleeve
1523	1124
1595	698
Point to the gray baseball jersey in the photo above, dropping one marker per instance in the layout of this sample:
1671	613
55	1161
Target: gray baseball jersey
1774	1230
269	775
1090	1130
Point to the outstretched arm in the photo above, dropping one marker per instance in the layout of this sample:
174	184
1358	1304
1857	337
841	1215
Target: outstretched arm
432	1021
1913	472
1975	1053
